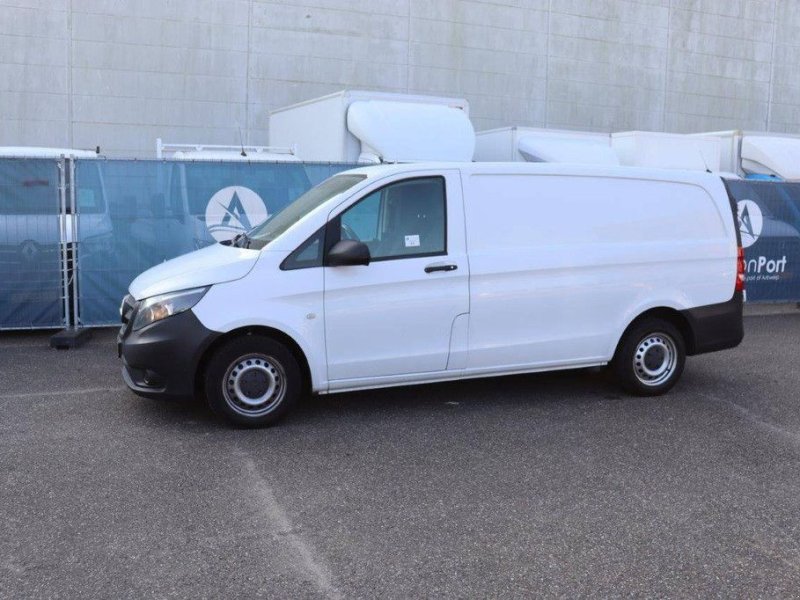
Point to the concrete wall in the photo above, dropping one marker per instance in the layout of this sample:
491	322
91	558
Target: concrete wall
120	73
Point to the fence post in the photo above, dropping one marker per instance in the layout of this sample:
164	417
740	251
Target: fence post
63	241
75	246
73	335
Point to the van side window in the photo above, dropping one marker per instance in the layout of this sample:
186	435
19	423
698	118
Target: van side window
307	255
89	195
175	191
402	220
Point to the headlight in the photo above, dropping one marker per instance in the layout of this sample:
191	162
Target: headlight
122	305
128	302
160	307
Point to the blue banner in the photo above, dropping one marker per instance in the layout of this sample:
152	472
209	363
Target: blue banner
30	275
769	223
135	214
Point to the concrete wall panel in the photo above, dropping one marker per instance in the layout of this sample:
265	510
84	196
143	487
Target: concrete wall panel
120	73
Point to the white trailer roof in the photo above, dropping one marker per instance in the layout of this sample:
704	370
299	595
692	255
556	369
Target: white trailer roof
667	150
408	131
347	97
770	155
585	151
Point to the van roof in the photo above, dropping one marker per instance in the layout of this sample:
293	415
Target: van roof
524	168
233	156
41	152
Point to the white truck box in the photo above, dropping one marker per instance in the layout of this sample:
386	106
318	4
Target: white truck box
360	126
667	150
531	144
759	153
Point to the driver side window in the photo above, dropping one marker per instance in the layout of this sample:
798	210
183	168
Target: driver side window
401	220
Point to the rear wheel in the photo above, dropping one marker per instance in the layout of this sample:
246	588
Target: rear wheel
253	381
650	357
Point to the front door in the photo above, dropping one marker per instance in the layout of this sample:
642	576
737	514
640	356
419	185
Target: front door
396	315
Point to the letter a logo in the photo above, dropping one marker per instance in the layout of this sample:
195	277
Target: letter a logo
751	221
233	210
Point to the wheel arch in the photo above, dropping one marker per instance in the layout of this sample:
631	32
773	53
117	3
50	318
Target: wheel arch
671	315
276	334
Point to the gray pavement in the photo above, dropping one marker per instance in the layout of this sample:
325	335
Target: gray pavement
540	485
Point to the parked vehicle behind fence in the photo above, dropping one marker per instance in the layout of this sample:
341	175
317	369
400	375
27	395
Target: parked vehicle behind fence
39	205
402	274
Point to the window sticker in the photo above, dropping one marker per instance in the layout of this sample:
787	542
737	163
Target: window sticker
412	241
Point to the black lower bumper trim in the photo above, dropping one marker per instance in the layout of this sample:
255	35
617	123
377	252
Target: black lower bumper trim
161	360
716	326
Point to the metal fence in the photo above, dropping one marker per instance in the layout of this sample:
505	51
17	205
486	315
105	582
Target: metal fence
32	287
128	215
134	214
769	223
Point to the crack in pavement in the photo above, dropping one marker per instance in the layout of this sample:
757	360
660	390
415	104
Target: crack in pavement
312	564
791	437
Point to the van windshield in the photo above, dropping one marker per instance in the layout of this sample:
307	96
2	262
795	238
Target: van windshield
263	234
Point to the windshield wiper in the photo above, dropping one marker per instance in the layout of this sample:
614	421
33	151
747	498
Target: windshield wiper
241	240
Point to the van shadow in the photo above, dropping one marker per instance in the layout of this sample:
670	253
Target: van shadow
482	395
478	395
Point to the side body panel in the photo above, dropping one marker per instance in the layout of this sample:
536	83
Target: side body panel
289	301
392	318
560	265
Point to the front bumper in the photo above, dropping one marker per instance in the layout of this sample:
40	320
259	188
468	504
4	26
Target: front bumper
161	360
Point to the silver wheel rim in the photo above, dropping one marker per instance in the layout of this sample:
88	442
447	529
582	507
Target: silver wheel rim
655	359
254	385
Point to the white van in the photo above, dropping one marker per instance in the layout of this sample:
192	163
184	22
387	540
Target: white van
29	205
184	210
400	274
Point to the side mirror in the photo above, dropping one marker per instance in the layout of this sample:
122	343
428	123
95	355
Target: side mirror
348	253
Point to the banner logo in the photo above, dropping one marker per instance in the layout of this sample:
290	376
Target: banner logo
751	221
233	210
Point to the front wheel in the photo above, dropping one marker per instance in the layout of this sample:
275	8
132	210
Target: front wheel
253	381
650	358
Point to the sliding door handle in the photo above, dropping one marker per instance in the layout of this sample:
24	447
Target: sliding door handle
433	268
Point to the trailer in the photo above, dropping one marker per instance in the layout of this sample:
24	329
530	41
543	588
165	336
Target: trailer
760	155
531	144
668	150
373	127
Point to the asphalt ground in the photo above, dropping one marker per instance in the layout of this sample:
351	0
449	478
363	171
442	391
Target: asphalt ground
539	485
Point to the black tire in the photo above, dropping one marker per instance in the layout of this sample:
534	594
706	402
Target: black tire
253	381
647	347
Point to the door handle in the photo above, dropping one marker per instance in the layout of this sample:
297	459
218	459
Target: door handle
432	268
